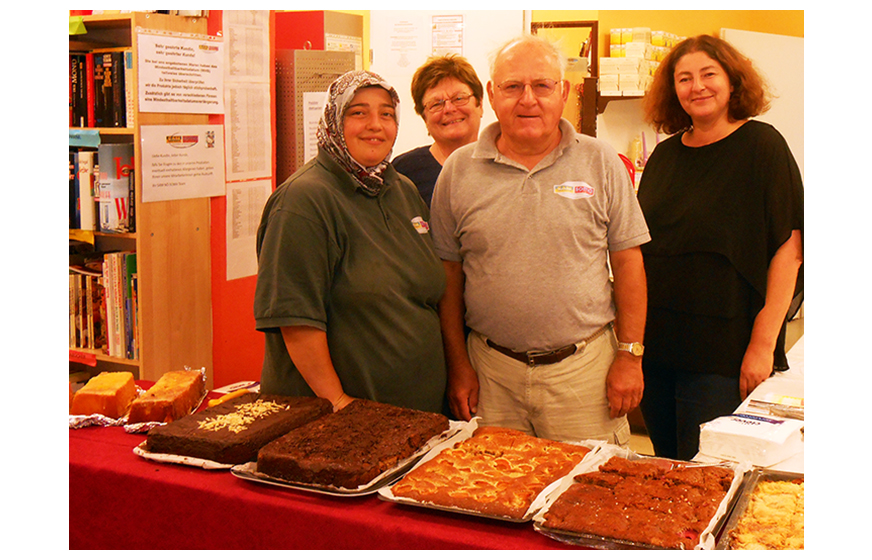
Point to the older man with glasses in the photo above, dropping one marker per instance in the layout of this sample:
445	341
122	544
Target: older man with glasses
529	222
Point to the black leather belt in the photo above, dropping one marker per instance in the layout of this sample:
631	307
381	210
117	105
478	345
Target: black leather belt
537	358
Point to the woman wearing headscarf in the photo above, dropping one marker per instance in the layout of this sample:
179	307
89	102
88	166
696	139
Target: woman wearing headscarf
723	199
348	281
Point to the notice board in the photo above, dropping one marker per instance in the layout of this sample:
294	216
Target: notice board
401	41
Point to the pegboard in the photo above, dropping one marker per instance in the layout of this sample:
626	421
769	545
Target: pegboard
299	72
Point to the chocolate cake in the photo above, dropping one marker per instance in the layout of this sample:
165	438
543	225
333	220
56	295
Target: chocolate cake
349	448
232	432
642	502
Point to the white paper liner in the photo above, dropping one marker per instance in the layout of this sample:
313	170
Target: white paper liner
143	452
605	452
387	494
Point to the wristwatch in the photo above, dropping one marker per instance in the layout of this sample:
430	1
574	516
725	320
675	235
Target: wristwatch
634	348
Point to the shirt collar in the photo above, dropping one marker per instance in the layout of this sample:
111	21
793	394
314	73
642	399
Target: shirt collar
486	147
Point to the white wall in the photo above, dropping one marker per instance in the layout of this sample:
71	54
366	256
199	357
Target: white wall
401	41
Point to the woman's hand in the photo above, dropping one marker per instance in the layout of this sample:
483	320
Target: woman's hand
756	368
463	392
340	403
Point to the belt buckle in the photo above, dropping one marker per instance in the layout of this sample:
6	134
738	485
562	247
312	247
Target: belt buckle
533	354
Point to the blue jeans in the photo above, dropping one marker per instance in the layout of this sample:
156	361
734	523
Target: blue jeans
676	402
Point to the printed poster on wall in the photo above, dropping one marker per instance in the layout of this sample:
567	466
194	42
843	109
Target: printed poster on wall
180	74
182	161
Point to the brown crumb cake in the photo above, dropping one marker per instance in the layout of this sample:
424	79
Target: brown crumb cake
349	448
647	502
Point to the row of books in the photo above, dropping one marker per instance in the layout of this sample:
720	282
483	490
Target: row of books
101	88
102	196
104	304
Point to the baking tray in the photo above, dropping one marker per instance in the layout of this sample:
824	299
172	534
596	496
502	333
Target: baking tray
604	453
248	471
754	478
387	494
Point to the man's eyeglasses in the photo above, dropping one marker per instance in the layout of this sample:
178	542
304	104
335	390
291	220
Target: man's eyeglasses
458	100
541	88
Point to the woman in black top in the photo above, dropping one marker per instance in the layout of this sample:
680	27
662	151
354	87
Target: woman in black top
448	96
723	198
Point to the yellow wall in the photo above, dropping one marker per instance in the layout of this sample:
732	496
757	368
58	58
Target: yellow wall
680	22
683	22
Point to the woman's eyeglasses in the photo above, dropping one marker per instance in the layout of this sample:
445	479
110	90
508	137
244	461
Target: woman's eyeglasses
438	106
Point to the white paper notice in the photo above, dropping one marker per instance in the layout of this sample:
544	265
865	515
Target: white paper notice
249	137
245	201
313	108
248	127
182	161
180	75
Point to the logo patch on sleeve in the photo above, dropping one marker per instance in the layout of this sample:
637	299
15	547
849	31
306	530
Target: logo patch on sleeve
420	225
574	190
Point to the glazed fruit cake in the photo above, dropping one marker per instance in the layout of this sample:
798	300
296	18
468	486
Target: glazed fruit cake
497	472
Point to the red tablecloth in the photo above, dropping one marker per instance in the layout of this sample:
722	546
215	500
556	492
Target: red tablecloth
119	500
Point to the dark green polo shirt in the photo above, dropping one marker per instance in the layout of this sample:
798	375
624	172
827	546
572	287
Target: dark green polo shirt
361	268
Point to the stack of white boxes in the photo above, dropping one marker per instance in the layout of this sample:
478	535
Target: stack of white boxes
635	55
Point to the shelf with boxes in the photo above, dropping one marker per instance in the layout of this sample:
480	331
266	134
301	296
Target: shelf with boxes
634	55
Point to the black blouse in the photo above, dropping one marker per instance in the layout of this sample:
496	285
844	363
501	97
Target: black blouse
717	215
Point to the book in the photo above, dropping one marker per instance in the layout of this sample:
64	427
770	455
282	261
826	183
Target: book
86	301
116	187
107	77
74	196
86	180
129	101
78	90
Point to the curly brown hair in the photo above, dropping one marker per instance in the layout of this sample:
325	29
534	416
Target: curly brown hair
438	68
750	96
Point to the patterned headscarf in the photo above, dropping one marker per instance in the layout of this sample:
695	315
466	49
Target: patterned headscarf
331	135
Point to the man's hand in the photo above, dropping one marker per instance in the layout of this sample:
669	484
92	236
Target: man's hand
625	384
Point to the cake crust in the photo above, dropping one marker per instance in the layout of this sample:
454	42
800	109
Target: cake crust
174	396
351	447
109	394
496	472
232	432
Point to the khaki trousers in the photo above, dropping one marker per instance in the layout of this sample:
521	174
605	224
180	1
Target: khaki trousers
565	401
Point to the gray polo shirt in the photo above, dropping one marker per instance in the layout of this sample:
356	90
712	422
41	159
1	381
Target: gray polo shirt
534	243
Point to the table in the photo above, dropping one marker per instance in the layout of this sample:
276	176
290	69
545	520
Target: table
789	383
119	500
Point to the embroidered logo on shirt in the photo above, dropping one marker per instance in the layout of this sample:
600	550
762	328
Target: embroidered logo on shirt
574	189
420	225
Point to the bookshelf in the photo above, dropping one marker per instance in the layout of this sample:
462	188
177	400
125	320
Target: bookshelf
172	238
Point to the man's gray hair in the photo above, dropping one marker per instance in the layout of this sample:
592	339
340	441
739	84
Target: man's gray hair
550	48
